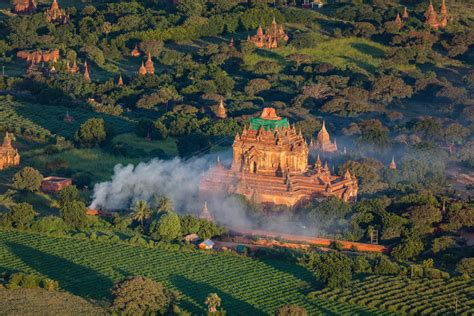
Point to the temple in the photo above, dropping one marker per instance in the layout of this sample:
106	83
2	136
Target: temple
432	18
120	81
270	39
221	112
405	15
72	69
37	57
398	21
56	15
148	67
323	141
270	165
24	6
9	156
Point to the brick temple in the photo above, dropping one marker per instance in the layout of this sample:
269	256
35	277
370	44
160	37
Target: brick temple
270	38
270	165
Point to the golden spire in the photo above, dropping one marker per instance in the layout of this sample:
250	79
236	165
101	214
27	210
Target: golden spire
221	112
405	14
150	69
444	10
120	81
142	70
393	165
86	72
347	175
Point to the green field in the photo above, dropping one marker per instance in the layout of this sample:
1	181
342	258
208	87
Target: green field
407	296
246	286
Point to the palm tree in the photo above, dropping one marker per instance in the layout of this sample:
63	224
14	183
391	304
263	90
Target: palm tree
213	301
164	204
141	211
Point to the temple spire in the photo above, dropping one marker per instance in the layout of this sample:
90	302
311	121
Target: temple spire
347	175
86	72
142	70
150	68
205	214
221	111
393	165
120	81
405	14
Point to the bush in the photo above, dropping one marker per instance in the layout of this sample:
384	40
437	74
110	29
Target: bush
27	179
466	266
442	243
167	228
433	273
74	214
304	40
138	295
49	224
386	267
91	133
20	216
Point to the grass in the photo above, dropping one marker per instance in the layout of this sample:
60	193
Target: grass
168	146
361	53
404	295
43	302
89	268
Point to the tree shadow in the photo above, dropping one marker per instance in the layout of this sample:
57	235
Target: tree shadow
198	291
369	50
71	276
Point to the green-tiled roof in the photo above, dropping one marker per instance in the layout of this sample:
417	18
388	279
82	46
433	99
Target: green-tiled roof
268	124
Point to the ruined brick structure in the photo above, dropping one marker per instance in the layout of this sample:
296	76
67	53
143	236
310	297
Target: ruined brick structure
9	156
270	39
24	6
37	57
270	165
56	15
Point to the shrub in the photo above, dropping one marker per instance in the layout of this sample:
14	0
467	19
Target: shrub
291	310
433	273
91	133
466	266
385	267
27	179
138	295
20	216
442	243
167	228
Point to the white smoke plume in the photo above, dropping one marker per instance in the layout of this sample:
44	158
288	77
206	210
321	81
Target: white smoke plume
177	179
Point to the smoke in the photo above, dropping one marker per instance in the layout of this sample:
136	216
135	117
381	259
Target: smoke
176	179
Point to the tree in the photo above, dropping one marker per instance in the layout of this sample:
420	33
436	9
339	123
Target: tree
137	295
69	194
191	7
91	133
74	214
386	88
422	217
466	266
408	248
255	86
291	310
213	301
154	47
107	28
141	211
27	179
442	243
385	267
20	216
334	268
164	204
167	228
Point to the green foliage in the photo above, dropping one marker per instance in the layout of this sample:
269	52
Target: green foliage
74	214
442	243
69	194
466	266
91	133
203	228
167	228
137	295
362	265
20	216
49	224
409	248
384	266
27	179
334	268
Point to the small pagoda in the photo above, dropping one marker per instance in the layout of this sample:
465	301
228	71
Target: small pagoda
221	111
432	19
135	52
86	72
56	15
323	141
205	214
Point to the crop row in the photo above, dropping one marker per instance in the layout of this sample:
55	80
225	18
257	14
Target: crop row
89	268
